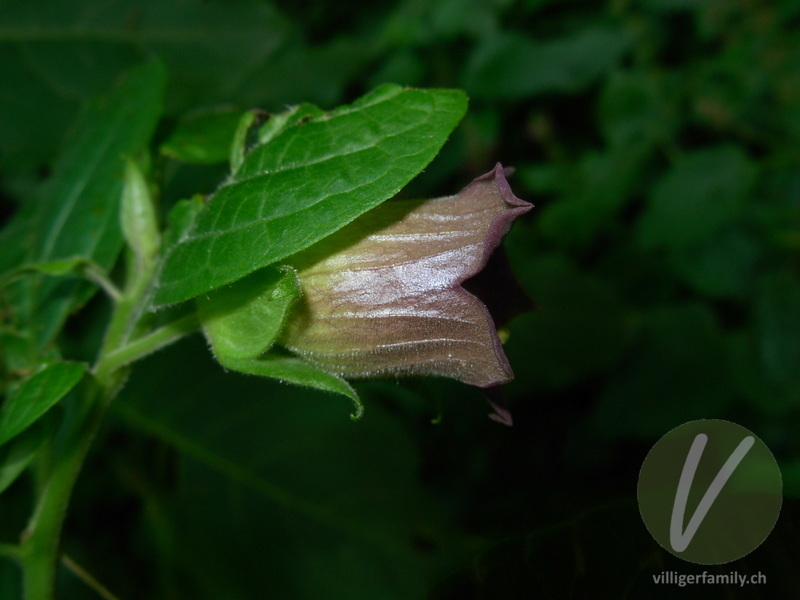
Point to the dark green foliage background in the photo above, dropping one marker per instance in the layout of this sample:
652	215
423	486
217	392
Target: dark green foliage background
660	142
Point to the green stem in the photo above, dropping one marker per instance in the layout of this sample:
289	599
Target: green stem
39	547
97	275
127	310
40	541
147	344
87	578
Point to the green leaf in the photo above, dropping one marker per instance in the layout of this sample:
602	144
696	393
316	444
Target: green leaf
247	122
241	321
278	123
638	107
510	66
59	267
76	266
203	137
36	395
309	181
723	265
181	218
252	129
297	371
79	210
702	193
16	456
593	194
64	266
78	213
16	354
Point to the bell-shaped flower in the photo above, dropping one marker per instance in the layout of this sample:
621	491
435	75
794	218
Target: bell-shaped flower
384	295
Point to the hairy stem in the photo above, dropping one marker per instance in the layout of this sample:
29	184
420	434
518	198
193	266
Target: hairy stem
40	540
148	344
39	546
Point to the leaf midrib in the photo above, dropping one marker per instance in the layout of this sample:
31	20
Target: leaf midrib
293	167
100	150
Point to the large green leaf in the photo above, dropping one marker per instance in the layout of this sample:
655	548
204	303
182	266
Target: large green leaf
77	215
704	191
79	208
511	66
308	181
36	395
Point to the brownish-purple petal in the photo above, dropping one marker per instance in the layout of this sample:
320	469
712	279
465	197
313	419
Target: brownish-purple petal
384	294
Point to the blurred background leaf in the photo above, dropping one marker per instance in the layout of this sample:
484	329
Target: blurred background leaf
276	491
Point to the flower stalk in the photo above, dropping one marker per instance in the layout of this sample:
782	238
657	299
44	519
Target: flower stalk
60	464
